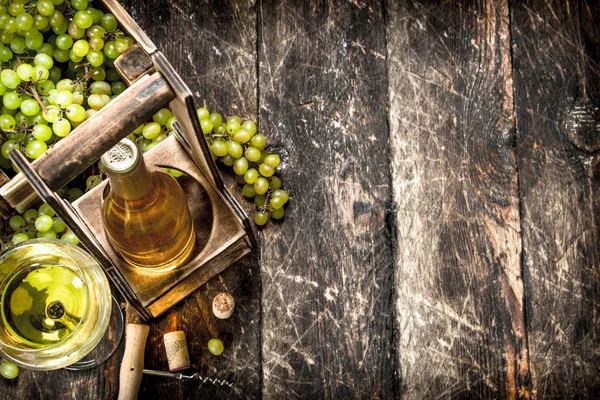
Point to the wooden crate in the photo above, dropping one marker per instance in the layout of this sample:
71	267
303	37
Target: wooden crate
224	233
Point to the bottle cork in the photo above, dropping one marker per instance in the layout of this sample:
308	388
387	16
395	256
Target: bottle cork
223	305
177	351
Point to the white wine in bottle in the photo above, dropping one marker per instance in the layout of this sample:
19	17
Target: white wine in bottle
145	212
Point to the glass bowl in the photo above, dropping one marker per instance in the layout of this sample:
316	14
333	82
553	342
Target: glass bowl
55	304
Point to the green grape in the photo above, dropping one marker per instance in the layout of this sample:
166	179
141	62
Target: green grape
100	88
215	346
25	72
45	7
19	237
276	202
96	31
261	218
79	4
258	141
219	148
24	21
240	166
248	191
10	78
47	49
121	45
18	45
7	122
273	160
109	50
41	73
75	112
96	14
251	176
249	126
151	130
61	127
40	22
50	234
52	114
206	125
65	84
58	225
119	87
95	58
75	31
30	107
278	213
281	193
261	185
203	113
62	55
45	209
42	132
235	149
81	48
216	119
274	182
233	126
160	138
73	194
252	154
83	19
92	181
56	19
16	8
35	41
96	44
30	215
64	41
109	22
162	116
43	223
36	148
60	29
228	160
260	200
70	238
16	222
64	98
7	147
266	170
241	136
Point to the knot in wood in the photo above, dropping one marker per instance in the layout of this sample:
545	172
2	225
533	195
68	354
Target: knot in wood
583	126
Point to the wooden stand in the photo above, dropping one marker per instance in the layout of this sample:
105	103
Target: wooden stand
222	229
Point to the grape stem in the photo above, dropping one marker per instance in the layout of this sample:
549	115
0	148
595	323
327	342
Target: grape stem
37	98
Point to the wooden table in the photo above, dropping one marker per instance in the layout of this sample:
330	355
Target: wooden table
442	235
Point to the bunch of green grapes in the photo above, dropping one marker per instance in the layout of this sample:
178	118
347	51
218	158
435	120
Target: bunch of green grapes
237	144
56	70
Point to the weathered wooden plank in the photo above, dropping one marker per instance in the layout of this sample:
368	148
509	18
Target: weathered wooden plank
327	270
458	279
555	48
212	45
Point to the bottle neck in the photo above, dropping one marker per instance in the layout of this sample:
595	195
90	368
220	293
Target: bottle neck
133	185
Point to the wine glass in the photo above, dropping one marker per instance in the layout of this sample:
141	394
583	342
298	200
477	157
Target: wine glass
55	304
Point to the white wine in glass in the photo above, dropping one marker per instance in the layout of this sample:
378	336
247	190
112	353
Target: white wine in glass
55	304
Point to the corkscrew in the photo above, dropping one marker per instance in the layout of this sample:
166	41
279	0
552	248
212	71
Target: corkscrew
195	375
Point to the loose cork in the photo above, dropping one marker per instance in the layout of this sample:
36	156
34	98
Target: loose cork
177	351
223	305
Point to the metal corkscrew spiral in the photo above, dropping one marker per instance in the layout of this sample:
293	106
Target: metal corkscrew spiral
196	376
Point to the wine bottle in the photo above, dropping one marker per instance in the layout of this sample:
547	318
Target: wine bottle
145	212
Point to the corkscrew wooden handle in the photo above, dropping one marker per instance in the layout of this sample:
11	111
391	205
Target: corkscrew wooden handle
132	366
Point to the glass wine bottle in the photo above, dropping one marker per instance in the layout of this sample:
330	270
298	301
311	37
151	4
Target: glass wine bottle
145	212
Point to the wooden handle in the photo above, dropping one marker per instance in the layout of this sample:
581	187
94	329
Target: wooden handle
72	155
133	361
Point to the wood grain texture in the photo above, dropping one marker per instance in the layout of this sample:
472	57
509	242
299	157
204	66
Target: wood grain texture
327	270
212	45
459	286
555	48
